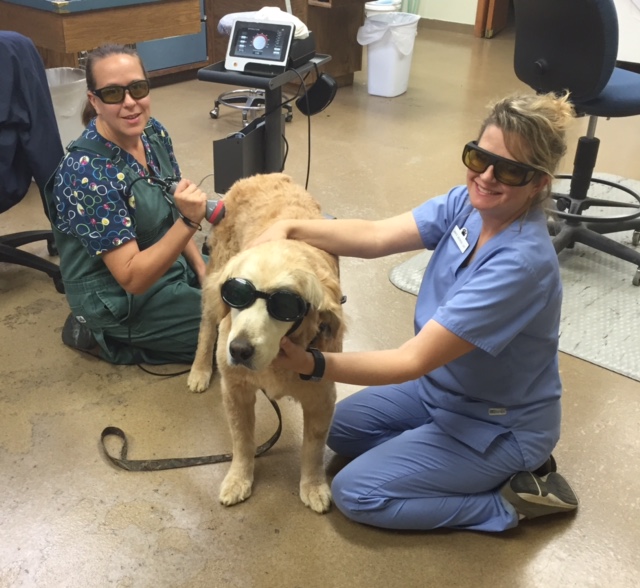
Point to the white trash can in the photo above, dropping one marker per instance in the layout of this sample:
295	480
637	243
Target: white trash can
68	89
382	6
389	39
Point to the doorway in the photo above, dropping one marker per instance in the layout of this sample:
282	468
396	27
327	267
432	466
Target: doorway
491	17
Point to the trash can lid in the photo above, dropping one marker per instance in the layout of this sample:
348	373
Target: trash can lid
60	76
383	6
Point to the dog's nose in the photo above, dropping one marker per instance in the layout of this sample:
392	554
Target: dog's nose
241	350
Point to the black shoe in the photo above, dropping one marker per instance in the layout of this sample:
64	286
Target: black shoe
77	335
547	467
535	496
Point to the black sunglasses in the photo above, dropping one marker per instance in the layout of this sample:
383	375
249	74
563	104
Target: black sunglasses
282	305
506	171
115	94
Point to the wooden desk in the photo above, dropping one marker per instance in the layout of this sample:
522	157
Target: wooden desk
60	32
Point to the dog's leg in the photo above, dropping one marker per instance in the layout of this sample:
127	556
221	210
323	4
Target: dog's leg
201	369
318	412
239	404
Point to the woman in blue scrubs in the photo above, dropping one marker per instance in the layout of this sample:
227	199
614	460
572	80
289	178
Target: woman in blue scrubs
457	425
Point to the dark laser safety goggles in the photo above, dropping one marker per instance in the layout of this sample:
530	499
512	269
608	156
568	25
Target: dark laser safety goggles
506	171
282	305
137	89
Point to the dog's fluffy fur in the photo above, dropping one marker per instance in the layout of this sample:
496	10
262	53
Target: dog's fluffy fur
252	205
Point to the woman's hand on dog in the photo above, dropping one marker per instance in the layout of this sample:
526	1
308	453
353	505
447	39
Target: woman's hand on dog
294	357
275	232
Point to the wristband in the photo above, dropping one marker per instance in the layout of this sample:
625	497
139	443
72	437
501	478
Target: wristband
190	223
318	366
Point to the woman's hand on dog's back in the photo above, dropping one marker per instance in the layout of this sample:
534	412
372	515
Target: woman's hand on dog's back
277	231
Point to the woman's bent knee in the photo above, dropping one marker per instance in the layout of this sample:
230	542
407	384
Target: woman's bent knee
356	501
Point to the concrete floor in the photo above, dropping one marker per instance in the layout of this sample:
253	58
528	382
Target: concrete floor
70	519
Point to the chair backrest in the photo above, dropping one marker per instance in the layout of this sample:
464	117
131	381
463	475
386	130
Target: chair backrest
30	145
566	45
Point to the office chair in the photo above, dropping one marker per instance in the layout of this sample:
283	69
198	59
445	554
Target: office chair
30	145
572	45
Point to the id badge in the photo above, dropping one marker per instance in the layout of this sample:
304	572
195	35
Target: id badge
460	238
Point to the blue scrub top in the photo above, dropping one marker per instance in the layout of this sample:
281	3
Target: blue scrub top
507	303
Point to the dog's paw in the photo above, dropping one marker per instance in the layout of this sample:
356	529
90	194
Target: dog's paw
234	489
198	380
316	496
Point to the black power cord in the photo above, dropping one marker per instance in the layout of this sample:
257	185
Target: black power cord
284	103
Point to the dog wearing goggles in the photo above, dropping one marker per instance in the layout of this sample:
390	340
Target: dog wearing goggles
251	298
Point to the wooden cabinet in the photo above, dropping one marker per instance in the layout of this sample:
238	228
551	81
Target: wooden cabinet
176	53
334	24
60	30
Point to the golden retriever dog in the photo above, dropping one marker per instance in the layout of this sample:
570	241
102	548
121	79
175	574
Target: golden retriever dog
286	278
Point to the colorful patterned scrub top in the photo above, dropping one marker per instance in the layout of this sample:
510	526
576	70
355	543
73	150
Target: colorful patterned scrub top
93	201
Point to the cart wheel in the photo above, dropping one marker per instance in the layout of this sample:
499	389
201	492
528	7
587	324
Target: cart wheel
636	278
52	250
214	113
57	282
635	239
288	117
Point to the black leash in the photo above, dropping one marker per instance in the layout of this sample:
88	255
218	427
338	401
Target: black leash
154	465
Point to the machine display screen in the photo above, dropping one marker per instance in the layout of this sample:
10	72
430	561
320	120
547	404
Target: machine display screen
253	42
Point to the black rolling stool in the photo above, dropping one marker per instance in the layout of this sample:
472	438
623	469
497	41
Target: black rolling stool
250	100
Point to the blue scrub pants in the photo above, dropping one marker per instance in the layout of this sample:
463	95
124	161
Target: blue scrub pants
408	474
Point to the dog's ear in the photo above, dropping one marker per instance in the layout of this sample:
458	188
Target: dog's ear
309	286
211	294
331	320
332	329
331	314
322	292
